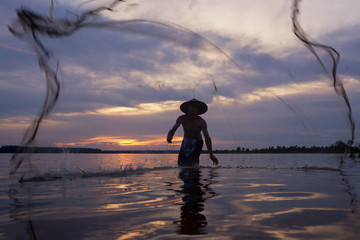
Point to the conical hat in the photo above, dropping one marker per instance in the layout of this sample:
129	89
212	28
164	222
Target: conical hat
201	107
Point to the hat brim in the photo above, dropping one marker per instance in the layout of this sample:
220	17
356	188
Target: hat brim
200	106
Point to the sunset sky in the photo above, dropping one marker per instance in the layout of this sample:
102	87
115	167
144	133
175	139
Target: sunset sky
122	85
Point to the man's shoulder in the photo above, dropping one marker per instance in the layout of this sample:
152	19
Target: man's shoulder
185	117
201	119
181	117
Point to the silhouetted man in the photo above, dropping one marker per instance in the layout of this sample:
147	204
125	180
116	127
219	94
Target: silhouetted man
193	125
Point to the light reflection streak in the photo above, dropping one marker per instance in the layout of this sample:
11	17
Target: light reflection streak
140	205
254	185
126	190
262	216
290	221
295	223
282	196
142	230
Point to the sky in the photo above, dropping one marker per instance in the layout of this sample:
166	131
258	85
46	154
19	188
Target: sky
121	87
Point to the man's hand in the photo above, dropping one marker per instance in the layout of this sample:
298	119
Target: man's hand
169	138
214	159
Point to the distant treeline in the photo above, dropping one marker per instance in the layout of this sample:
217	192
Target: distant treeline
338	147
14	149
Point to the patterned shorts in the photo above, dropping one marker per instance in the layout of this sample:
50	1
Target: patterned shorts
190	152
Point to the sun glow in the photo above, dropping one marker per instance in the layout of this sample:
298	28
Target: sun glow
118	141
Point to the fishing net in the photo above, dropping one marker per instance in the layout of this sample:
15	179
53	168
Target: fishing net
118	69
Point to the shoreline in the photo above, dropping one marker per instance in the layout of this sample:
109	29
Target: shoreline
338	147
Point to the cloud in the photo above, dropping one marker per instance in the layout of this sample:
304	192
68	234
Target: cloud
125	84
140	109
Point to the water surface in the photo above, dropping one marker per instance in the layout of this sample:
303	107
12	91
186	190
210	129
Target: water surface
140	196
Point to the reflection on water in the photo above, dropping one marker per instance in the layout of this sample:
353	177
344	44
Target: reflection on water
173	203
195	191
281	196
124	204
21	210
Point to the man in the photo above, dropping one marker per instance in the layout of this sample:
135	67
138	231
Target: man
193	125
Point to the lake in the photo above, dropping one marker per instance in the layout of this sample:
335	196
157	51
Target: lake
146	196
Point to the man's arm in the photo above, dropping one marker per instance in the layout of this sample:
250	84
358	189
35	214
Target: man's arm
173	129
208	143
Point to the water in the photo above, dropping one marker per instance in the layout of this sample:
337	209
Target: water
145	196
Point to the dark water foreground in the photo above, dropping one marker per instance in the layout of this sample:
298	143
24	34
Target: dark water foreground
172	203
